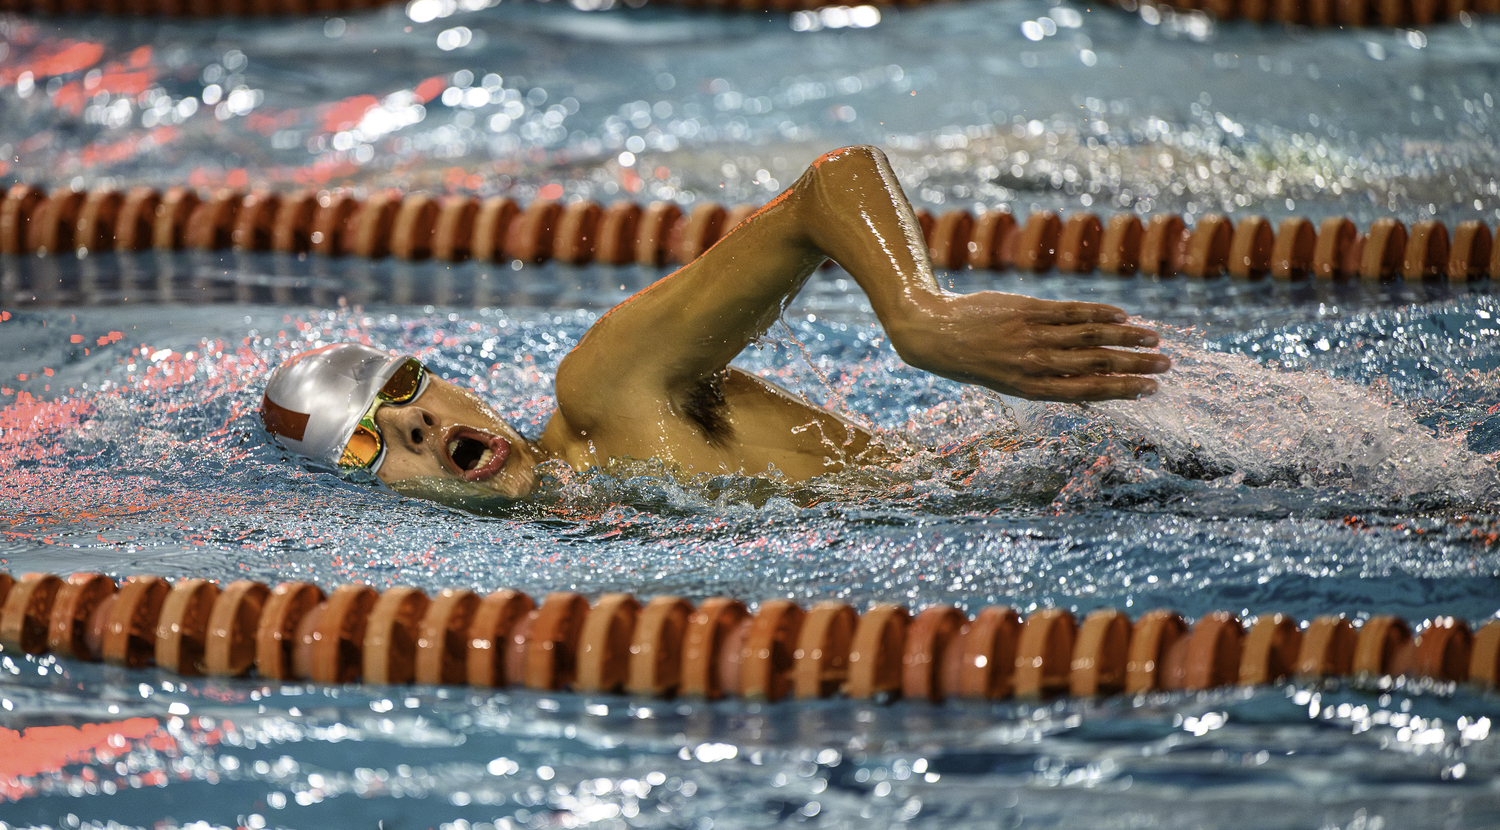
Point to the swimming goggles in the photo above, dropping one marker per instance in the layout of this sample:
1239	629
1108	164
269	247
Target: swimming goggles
366	447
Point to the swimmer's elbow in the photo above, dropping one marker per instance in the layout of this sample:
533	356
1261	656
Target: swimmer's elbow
848	160
839	180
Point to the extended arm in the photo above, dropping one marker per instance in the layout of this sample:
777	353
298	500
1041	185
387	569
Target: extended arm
848	207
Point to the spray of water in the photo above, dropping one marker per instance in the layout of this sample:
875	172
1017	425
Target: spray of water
1221	414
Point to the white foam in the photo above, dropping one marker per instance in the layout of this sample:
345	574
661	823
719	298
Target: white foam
1230	413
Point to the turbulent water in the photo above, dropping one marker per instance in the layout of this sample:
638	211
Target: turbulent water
1319	448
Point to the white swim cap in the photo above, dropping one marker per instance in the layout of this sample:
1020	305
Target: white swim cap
314	401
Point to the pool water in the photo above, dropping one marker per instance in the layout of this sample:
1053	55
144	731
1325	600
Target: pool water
1320	448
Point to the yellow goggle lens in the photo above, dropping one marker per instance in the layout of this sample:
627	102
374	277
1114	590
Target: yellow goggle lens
404	384
363	447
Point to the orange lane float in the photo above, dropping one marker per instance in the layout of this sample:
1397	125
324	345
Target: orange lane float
604	649
182	628
666	647
1270	650
21	203
276	627
443	637
27	612
72	609
417	226
491	637
230	642
1099	654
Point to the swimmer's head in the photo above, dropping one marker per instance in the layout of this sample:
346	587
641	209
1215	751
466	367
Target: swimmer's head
358	408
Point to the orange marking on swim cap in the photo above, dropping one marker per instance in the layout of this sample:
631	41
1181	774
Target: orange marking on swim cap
282	421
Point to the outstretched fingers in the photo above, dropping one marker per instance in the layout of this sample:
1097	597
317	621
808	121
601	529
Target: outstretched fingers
1080	362
1092	335
1051	313
1090	388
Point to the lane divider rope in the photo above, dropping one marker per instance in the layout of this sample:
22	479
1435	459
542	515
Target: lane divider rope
667	647
419	226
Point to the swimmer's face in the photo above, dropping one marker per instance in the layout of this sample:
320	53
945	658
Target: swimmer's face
448	433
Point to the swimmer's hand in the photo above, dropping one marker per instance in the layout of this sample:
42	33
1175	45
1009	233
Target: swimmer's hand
1029	348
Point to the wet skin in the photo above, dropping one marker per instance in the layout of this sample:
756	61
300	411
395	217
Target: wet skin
637	383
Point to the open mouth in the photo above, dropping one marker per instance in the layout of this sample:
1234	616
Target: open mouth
474	454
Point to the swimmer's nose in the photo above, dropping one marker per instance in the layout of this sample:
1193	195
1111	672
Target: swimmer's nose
411	426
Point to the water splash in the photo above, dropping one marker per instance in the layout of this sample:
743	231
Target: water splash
1223	414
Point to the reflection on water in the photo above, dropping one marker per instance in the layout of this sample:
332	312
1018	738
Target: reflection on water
197	278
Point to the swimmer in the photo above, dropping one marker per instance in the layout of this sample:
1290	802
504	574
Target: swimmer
651	379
